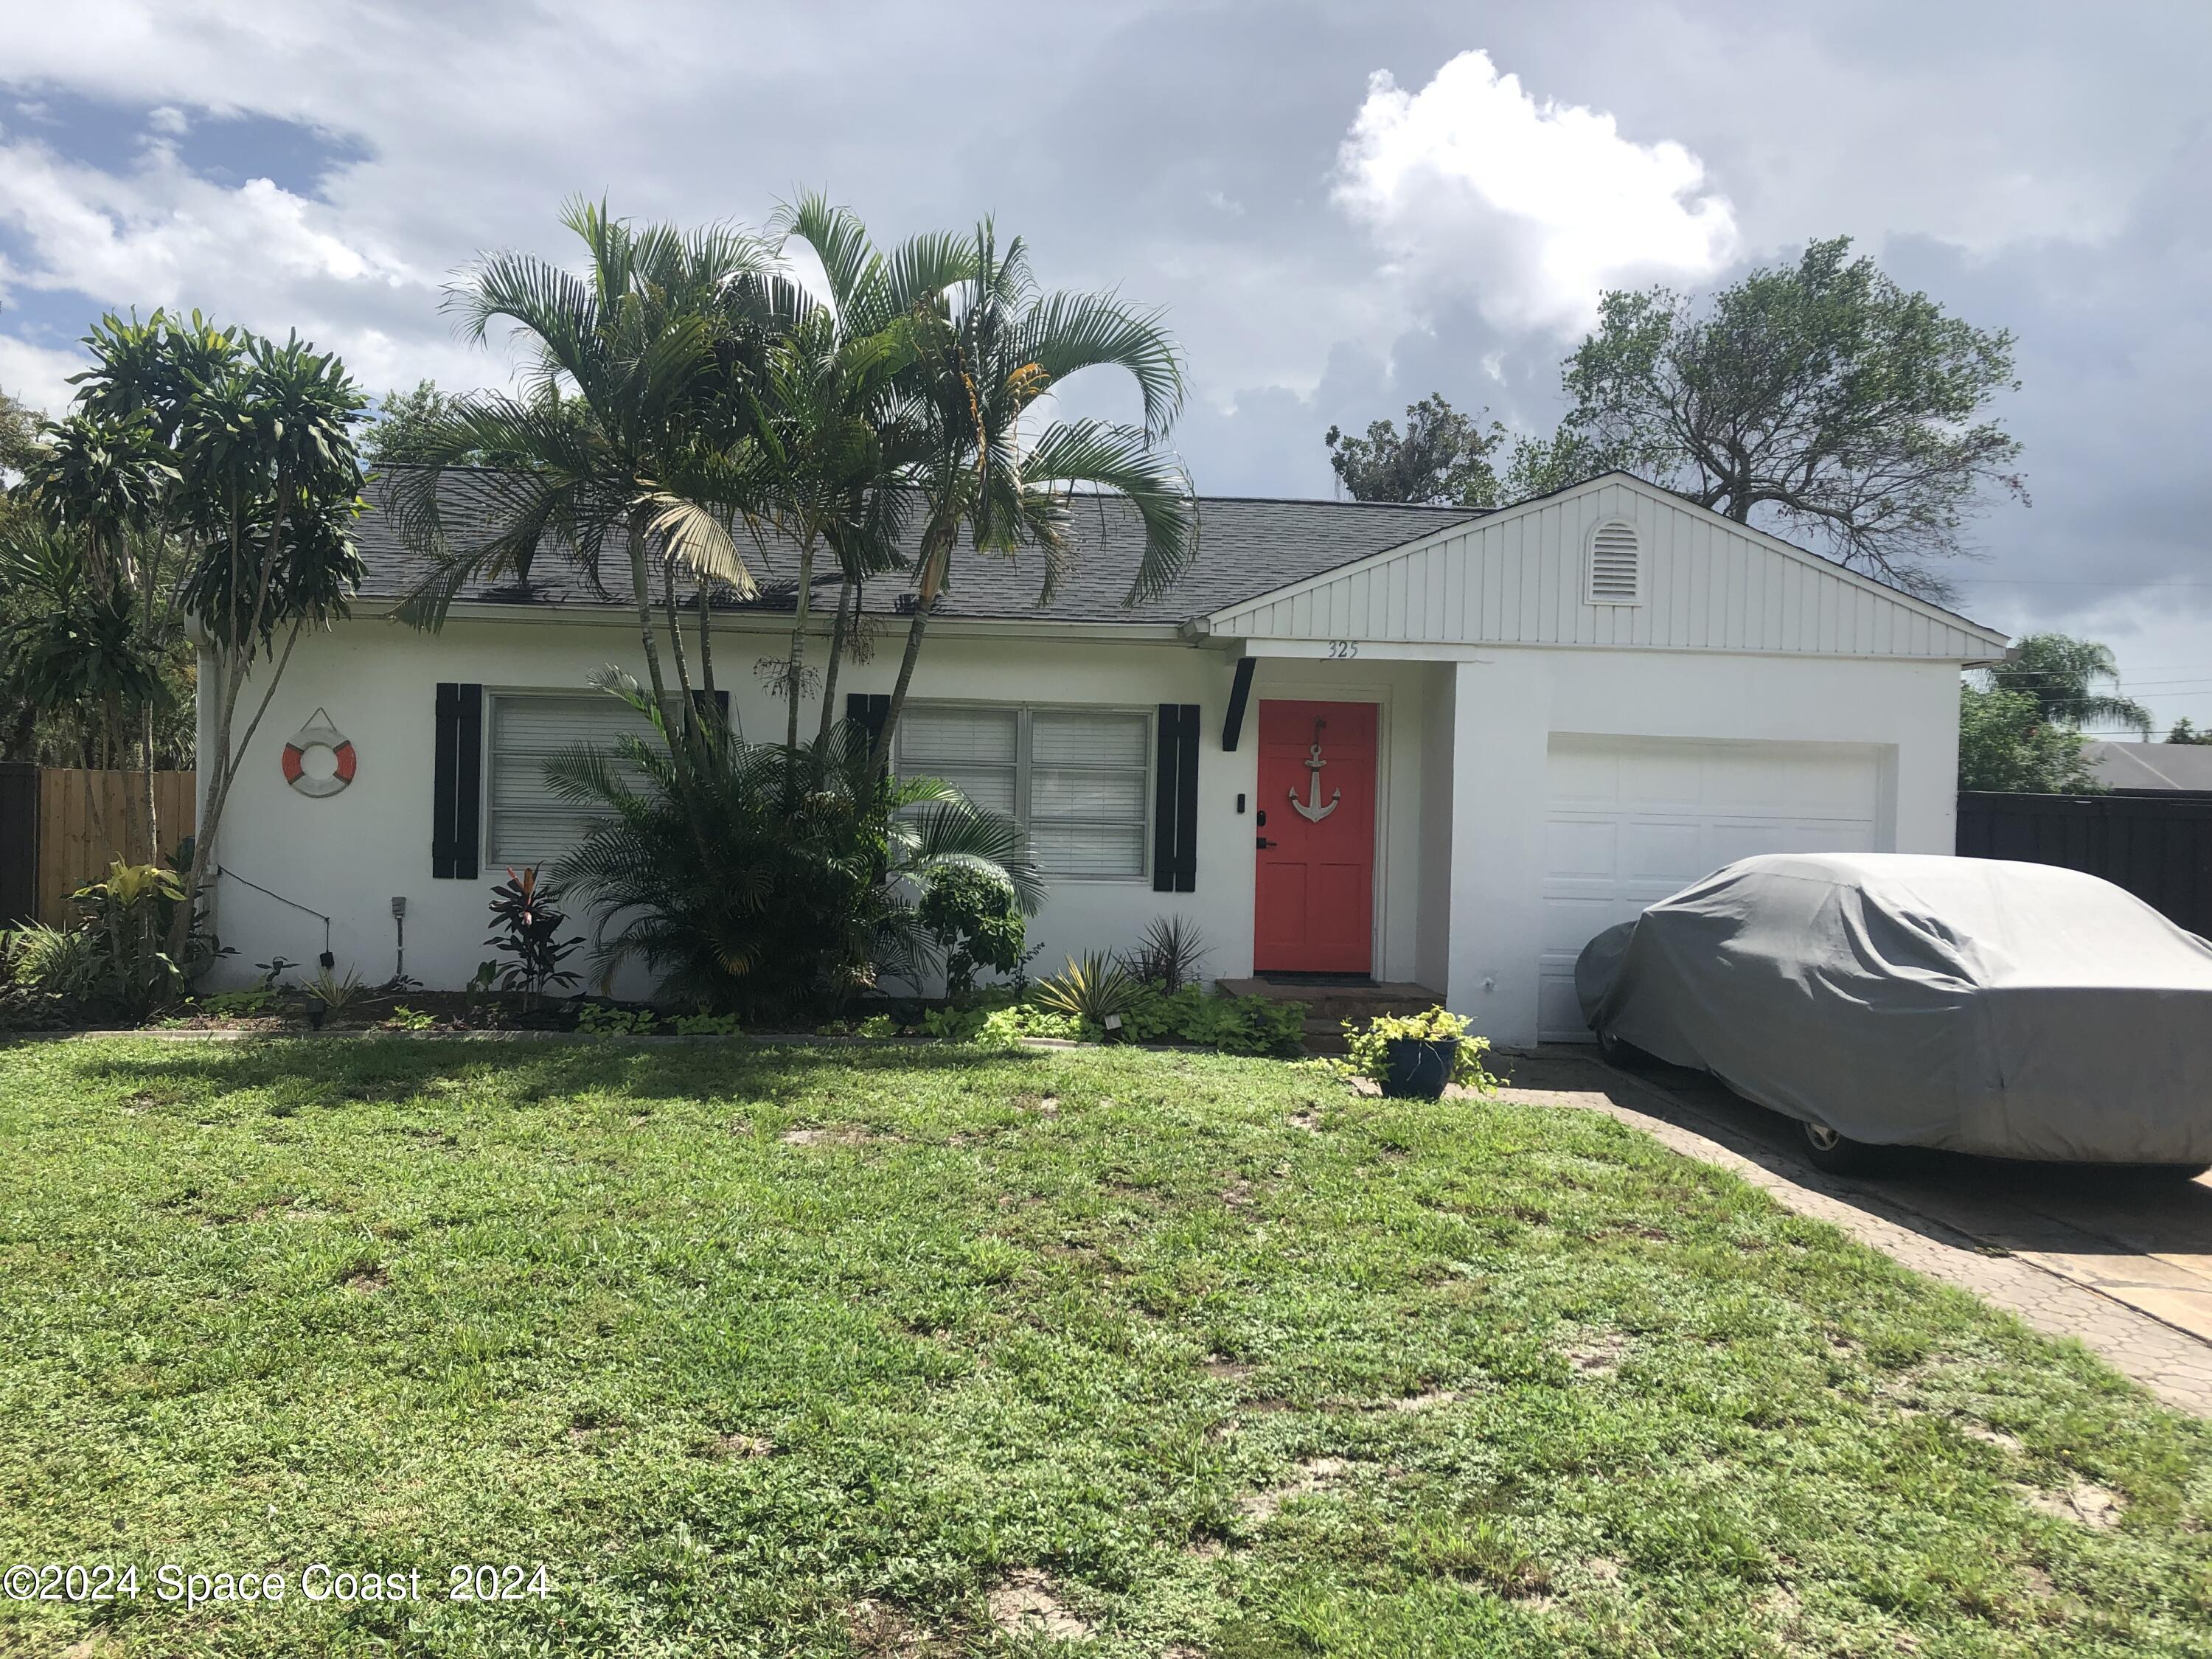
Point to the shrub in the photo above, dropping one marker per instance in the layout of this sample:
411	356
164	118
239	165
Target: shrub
1368	1045
1003	1028
768	881
597	1019
1169	954
530	921
973	916
59	962
1233	1025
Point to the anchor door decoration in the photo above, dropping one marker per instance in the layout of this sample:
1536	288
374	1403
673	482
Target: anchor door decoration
1311	809
1314	863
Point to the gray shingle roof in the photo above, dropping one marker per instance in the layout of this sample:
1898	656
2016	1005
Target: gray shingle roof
2149	765
1247	546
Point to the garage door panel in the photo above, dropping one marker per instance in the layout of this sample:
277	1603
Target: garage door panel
1662	850
1836	836
1570	923
1585	775
1662	783
1677	812
1582	848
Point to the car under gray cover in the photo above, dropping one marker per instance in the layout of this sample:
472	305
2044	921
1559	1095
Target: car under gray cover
2011	1010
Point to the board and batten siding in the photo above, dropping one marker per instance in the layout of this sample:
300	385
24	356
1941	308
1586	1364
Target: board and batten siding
1517	578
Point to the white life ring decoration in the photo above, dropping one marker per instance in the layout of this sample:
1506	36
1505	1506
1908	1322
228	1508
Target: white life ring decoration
319	733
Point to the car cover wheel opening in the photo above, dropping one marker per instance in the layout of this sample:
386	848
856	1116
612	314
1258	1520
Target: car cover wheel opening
1838	1154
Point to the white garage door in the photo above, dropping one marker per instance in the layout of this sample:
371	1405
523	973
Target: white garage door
1629	820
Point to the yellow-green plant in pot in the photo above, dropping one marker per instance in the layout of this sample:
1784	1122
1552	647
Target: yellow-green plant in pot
1413	1056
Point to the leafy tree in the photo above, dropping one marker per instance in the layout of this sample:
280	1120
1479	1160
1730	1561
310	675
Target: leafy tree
208	473
77	667
1820	394
1443	457
2005	744
404	423
2184	731
984	468
272	482
2060	676
18	435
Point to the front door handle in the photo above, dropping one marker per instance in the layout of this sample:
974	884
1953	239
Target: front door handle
1264	843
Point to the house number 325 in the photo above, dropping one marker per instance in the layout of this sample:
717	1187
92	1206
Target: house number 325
1339	650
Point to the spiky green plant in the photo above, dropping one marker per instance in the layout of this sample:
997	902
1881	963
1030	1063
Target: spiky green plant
1094	988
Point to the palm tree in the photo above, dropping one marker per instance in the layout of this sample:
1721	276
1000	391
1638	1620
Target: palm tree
2060	673
634	430
985	356
838	395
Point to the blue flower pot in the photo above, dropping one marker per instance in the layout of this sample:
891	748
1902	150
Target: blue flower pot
1417	1068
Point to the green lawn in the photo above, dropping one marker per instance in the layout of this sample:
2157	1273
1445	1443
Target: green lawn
836	1350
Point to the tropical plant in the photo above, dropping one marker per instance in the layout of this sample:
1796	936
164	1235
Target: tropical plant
764	880
1094	989
57	962
130	914
1367	1044
87	680
2060	675
985	467
330	995
1169	954
836	422
974	919
632	439
527	914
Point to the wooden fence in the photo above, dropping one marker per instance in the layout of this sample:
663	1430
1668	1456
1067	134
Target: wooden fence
61	828
2157	847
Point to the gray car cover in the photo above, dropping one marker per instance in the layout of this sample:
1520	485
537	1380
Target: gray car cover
2013	1010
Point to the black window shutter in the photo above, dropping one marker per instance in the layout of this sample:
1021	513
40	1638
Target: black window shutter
457	783
1166	790
1187	802
868	709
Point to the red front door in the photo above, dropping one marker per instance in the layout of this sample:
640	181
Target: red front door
1315	902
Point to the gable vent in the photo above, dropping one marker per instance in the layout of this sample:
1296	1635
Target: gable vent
1616	564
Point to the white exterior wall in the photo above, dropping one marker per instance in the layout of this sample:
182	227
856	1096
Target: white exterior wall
349	854
1509	703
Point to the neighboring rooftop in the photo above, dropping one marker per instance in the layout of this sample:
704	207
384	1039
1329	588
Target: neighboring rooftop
2165	767
1247	546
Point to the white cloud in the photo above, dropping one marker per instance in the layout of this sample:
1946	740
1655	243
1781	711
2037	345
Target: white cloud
37	375
1474	190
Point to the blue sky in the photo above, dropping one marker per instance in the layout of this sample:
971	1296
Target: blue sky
1342	207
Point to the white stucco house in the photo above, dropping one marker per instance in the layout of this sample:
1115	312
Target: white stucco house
1423	744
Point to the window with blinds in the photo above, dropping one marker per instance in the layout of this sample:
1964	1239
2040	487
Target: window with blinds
1080	780
529	824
